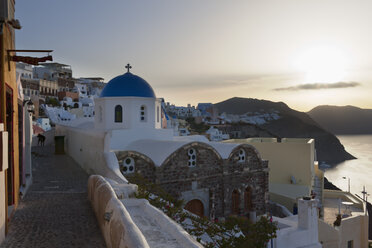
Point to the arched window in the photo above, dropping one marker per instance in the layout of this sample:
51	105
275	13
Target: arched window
128	165
143	113
235	202
248	199
192	157
118	113
241	156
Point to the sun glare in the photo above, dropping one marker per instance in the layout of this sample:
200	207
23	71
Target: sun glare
322	65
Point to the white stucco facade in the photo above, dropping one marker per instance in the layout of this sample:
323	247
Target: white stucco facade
299	230
131	113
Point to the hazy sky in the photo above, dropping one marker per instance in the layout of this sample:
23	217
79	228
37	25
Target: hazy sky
304	53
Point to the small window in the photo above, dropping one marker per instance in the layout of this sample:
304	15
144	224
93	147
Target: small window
143	113
241	155
118	113
127	166
192	157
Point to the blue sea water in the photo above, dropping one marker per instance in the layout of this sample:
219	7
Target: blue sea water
358	170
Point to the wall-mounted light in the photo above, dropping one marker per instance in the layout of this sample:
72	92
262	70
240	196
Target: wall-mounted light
29	105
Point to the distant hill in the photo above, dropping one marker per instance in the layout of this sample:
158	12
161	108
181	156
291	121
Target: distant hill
291	124
343	120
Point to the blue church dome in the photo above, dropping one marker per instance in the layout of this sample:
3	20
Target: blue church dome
128	84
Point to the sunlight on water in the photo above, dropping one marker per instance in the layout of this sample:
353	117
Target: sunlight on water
358	170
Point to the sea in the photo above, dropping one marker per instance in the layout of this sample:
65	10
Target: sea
357	171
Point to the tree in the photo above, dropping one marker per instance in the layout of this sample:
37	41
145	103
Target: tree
52	101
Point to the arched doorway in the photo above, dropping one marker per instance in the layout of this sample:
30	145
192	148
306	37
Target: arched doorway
235	202
196	207
248	199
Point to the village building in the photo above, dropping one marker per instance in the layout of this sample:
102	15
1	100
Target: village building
345	220
31	87
52	71
24	70
215	134
94	85
290	178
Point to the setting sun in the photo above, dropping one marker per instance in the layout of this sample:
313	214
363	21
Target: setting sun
322	65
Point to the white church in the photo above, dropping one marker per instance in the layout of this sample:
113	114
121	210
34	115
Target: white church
127	136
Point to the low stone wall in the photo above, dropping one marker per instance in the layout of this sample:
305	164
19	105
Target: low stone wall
118	228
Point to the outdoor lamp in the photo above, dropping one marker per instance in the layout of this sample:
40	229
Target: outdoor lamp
30	107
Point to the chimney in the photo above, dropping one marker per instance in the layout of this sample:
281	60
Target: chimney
307	213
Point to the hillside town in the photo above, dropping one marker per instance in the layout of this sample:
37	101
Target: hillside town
155	174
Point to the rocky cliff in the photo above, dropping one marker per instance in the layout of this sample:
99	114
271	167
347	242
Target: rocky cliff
344	119
290	124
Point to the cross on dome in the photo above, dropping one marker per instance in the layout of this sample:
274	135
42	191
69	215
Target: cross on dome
128	66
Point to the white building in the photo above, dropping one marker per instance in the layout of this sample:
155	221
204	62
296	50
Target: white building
352	229
82	89
216	135
52	71
24	70
182	112
298	230
44	123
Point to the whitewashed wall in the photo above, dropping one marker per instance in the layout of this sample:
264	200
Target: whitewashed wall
301	231
87	149
131	107
49	138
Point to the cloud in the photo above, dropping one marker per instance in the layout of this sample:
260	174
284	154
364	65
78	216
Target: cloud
319	86
222	81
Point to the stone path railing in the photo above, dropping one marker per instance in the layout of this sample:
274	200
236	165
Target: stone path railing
114	220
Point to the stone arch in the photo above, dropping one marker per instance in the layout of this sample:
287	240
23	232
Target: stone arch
248	149
195	206
192	145
142	164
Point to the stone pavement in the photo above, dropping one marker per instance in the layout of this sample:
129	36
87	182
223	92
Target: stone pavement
55	211
154	233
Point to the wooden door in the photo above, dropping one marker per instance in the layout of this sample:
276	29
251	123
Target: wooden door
235	202
196	207
248	199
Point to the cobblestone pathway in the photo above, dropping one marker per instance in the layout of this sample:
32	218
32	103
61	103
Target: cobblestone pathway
55	211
